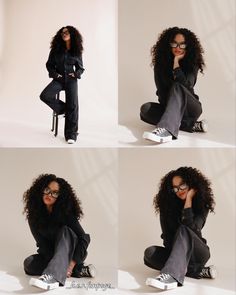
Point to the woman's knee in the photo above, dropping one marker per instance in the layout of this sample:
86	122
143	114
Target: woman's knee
148	253
43	96
145	108
27	264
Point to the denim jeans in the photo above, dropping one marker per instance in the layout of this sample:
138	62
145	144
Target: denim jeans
66	246
70	107
187	257
181	111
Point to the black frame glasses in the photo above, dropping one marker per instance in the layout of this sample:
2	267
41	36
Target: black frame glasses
181	187
180	45
54	194
65	33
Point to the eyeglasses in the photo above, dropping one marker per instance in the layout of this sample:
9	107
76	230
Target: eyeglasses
181	187
54	194
66	32
180	45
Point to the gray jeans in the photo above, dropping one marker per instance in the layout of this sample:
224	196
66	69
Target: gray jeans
181	111
56	265
187	257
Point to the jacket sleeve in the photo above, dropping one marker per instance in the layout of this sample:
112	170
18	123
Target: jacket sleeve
188	80
41	242
167	233
51	66
195	222
79	67
83	239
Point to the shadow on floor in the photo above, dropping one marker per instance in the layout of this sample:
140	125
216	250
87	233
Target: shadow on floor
130	134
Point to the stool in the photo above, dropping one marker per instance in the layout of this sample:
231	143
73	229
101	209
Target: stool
55	118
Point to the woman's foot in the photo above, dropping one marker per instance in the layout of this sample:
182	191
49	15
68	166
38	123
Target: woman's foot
86	271
164	281
200	126
158	135
45	282
208	272
70	141
70	268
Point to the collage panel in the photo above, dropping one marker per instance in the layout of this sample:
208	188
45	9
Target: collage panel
51	47
157	229
177	73
70	182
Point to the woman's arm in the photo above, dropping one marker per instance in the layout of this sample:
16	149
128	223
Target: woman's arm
51	66
188	80
195	222
43	245
79	67
74	224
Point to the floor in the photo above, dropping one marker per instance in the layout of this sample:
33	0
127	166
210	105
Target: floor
132	281
35	134
219	135
16	282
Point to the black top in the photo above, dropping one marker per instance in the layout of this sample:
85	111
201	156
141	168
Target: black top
45	237
171	223
63	63
164	84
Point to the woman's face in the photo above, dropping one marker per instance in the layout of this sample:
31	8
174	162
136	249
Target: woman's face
178	45
65	34
180	188
50	194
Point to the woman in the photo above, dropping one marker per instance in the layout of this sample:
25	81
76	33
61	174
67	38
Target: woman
65	66
53	211
177	59
183	201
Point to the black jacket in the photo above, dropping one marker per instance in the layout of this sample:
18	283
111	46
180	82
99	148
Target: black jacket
170	224
45	237
63	63
164	84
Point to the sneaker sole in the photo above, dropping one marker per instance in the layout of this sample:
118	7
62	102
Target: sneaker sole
204	126
92	270
213	272
40	284
70	141
153	137
157	284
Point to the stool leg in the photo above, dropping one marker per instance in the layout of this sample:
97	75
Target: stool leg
53	121
56	125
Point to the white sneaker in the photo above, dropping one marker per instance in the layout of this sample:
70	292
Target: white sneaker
70	141
158	135
45	282
163	281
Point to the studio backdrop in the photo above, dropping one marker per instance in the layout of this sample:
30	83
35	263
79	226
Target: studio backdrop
213	21
26	30
93	175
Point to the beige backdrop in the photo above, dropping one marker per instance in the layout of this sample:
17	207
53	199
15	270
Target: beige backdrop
27	27
213	21
91	172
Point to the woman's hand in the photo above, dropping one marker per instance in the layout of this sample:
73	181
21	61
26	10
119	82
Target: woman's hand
72	75
177	58
70	268
190	195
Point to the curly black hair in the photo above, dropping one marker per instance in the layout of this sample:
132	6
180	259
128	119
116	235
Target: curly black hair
162	57
166	200
67	204
58	44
